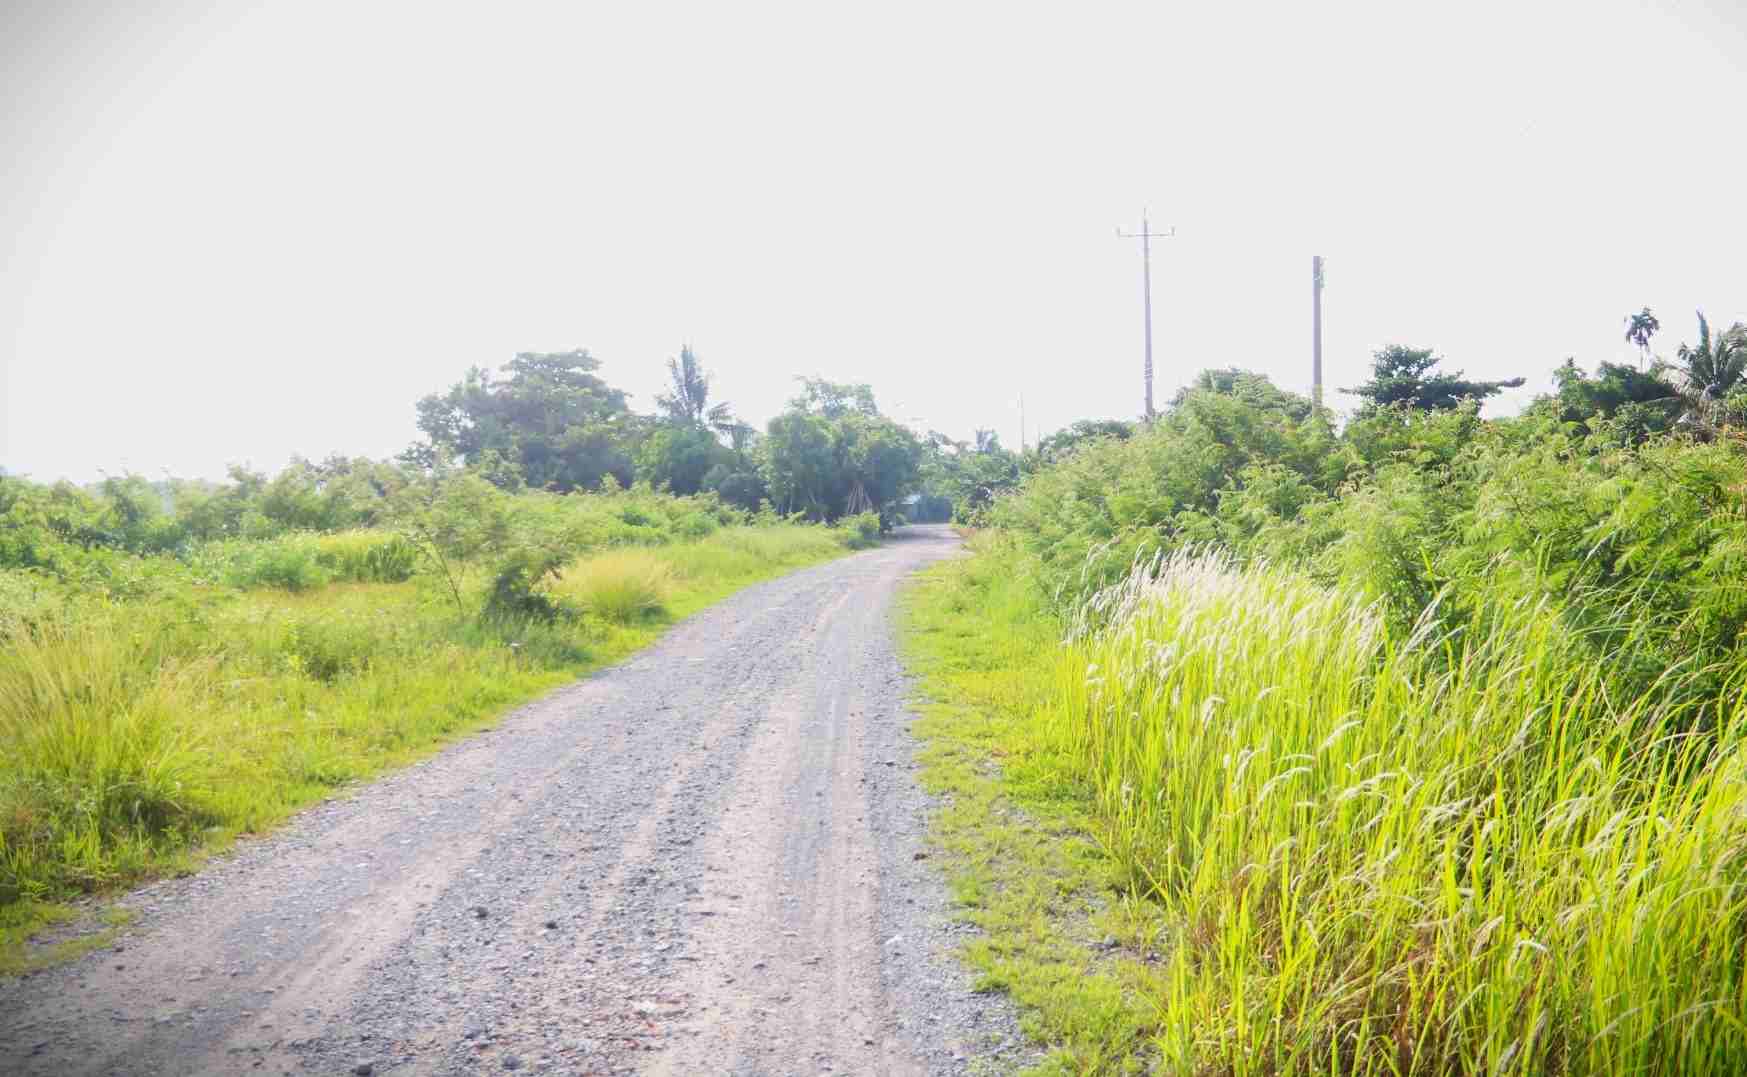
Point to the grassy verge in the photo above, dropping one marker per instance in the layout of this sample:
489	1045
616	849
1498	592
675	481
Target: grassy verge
137	736
1018	820
1241	826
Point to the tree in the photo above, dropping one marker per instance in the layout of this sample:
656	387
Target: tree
562	426
1714	370
968	475
680	457
1640	327
833	399
736	479
832	454
741	438
688	404
800	465
742	489
1064	441
1250	387
881	462
1404	376
1640	402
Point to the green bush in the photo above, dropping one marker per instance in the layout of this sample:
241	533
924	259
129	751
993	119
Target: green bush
1640	544
289	563
861	531
520	586
694	525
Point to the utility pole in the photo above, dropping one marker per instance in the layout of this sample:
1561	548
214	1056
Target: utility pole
1021	424
1316	330
1146	235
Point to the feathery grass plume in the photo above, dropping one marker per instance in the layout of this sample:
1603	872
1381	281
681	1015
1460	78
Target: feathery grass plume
1448	852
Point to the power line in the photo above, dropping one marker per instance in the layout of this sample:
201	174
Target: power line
1146	235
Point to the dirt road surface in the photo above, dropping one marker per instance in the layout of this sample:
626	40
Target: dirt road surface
707	860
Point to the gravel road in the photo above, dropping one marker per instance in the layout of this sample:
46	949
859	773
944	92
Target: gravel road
707	860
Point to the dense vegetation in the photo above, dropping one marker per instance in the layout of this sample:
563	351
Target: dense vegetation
554	424
182	661
1413	744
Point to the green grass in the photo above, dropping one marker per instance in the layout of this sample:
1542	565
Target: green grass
1017	820
1318	845
137	736
621	586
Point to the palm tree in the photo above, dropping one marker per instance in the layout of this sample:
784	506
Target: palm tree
740	438
689	403
1713	369
1640	327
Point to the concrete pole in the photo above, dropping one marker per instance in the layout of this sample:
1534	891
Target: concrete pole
1316	330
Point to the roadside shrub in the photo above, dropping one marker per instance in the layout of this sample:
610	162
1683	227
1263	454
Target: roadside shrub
620	586
520	586
1639	545
861	531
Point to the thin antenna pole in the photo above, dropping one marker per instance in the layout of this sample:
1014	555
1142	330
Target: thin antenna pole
1316	330
1146	235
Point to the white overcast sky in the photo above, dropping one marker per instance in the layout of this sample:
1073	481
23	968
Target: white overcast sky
238	231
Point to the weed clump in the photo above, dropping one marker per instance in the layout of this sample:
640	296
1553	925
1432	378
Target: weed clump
620	586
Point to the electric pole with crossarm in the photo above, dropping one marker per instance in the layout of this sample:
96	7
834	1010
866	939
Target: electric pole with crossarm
1146	235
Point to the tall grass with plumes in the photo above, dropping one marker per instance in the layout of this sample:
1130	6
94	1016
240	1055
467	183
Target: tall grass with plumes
1449	851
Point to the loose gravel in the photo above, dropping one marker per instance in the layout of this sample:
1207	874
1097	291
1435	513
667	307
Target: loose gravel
708	859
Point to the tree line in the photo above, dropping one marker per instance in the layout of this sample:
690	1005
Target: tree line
1699	392
544	422
549	421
